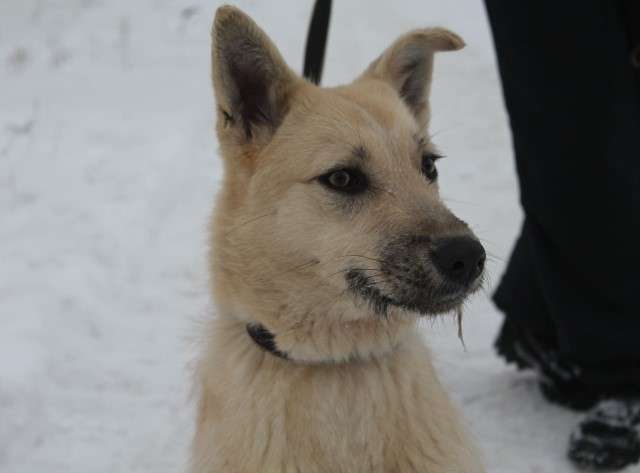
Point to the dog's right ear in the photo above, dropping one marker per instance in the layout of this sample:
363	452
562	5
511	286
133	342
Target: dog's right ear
251	81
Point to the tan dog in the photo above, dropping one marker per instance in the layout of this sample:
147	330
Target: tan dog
329	241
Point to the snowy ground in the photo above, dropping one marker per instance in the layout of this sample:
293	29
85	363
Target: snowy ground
108	168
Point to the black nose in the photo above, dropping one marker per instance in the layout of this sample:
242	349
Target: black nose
459	259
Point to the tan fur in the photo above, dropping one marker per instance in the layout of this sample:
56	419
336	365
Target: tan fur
359	393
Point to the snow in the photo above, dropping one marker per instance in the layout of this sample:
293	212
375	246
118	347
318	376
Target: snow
108	170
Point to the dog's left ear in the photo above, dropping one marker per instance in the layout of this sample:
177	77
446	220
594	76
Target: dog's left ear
407	65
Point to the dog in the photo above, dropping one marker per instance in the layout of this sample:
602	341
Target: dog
328	242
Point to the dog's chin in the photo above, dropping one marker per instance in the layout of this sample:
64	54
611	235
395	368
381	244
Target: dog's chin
438	306
431	303
448	301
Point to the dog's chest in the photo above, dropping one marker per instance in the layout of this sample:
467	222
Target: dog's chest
377	419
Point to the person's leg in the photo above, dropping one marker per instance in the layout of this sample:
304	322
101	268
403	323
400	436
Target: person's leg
570	292
574	107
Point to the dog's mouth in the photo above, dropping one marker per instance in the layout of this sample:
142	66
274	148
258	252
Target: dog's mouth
431	300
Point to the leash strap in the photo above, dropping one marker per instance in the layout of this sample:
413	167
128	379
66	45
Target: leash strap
317	41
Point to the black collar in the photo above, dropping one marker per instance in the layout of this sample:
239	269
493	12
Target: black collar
265	340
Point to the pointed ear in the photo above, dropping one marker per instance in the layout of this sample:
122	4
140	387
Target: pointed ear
251	81
407	65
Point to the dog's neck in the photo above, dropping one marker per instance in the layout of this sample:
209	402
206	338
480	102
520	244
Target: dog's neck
324	343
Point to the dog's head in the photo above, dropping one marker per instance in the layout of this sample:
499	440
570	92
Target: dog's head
329	229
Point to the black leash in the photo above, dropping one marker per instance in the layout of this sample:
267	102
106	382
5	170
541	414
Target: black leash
317	41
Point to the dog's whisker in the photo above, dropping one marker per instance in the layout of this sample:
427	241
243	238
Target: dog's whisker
436	133
247	222
346	270
494	256
483	239
299	267
362	256
487	284
306	265
456	201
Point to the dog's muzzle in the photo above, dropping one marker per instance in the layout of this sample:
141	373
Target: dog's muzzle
422	274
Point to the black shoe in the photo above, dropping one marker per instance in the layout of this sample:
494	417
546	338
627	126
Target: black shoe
608	438
560	380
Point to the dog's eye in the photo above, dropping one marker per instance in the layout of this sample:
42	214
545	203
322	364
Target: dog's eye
347	181
339	179
429	165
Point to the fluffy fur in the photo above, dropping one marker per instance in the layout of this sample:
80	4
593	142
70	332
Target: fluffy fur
326	273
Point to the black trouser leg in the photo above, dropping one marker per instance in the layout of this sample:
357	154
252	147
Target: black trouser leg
574	105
